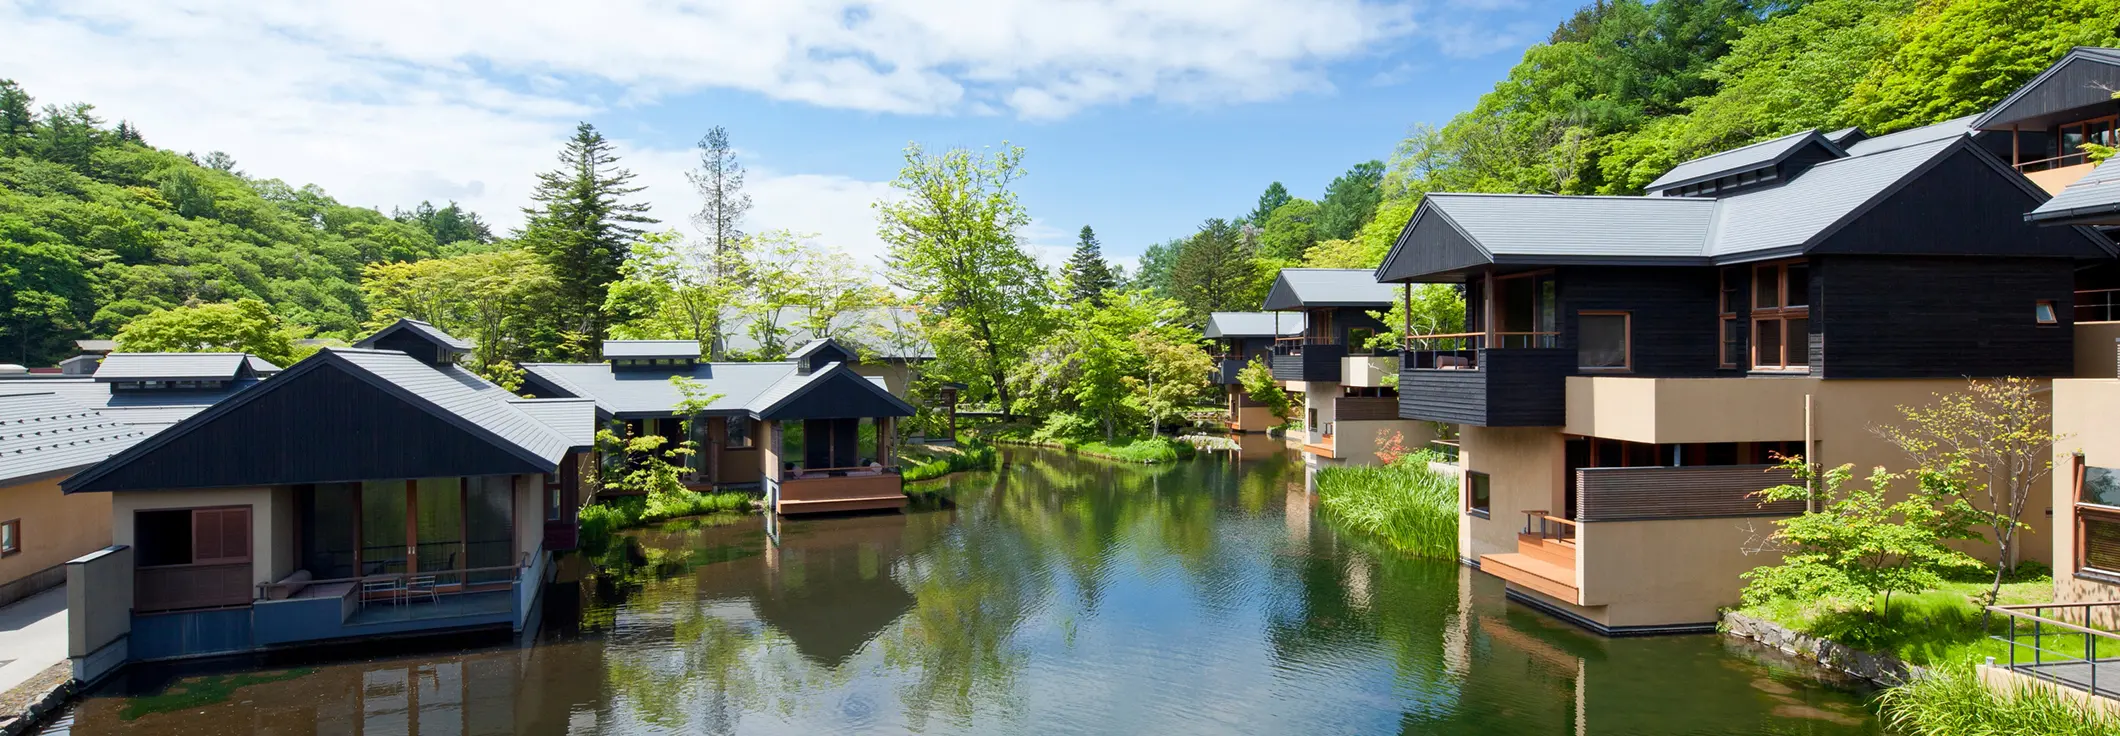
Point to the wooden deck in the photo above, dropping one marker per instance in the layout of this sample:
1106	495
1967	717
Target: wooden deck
845	493
1323	449
1541	564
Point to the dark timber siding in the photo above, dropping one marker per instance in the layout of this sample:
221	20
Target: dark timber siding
844	395
2081	83
1965	206
1641	494
1673	313
321	426
1941	317
1523	387
1317	363
1429	244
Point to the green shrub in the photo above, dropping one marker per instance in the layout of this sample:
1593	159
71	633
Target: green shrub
1064	427
1952	701
599	522
968	455
1405	504
1144	450
674	504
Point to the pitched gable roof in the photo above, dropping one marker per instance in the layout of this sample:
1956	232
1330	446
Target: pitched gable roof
649	393
1307	288
856	396
173	367
42	434
1254	324
2092	200
423	330
344	415
2086	75
1745	158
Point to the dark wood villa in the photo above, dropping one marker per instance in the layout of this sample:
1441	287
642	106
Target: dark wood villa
2041	128
1632	365
812	432
1241	338
1349	409
360	493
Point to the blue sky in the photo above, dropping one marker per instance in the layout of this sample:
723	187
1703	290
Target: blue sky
1140	118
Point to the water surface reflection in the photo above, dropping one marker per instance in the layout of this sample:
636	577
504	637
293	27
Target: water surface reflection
1056	595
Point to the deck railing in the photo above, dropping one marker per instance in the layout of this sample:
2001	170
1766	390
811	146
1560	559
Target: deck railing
2097	305
2045	647
1295	345
1461	350
1547	526
1448	449
2062	161
405	586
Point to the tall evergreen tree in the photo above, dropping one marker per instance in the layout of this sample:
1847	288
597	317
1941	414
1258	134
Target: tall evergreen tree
1270	200
1087	271
1213	271
582	228
723	203
17	123
1350	200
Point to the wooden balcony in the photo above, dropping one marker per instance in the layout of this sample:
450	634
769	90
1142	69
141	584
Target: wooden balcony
176	587
1459	382
1544	560
1308	359
839	489
1226	368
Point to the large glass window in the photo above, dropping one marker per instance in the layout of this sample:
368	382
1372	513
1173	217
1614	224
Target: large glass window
489	533
1781	316
1602	341
382	527
328	511
1733	330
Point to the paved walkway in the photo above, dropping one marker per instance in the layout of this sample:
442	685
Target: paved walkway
32	636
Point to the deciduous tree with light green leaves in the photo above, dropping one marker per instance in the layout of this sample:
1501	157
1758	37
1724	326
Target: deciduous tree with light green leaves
953	240
242	326
1858	545
1256	378
502	300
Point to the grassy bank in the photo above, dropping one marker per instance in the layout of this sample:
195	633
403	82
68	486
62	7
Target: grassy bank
1952	701
1406	505
600	521
927	462
1125	449
1932	627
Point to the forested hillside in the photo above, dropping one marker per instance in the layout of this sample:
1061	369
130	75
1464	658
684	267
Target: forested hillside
1624	90
97	228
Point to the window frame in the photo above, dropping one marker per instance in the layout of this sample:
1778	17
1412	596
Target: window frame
10	537
1626	340
2046	313
1730	354
1780	315
730	434
1484	481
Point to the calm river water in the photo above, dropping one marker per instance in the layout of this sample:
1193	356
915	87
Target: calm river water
1055	596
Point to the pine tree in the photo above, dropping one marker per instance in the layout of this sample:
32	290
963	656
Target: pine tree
1088	272
1350	201
1213	271
582	229
1272	199
719	180
17	123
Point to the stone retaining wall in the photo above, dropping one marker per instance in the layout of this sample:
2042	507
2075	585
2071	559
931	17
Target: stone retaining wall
1882	669
26	705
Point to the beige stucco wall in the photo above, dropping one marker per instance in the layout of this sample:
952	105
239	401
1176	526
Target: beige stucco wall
55	527
768	441
1254	419
1319	398
529	511
1357	442
269	560
1368	371
1845	414
2087	414
2097	349
1524	466
1676	571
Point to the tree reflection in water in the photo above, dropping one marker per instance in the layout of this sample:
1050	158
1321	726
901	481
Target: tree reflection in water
1056	594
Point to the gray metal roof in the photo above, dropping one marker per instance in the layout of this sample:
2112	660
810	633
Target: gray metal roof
628	394
96	346
1254	324
2003	113
1306	288
430	332
1790	216
1563	227
688	349
42	434
461	394
794	384
151	409
2093	199
1847	136
261	366
1745	158
573	418
171	366
1946	130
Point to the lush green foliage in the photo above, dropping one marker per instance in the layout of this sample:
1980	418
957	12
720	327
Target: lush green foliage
1405	504
582	229
1088	275
1129	363
925	463
1857	545
1952	701
601	522
242	326
1936	626
1256	378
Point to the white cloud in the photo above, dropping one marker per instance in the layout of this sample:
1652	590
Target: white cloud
388	103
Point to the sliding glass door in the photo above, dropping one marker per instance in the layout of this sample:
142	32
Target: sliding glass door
431	525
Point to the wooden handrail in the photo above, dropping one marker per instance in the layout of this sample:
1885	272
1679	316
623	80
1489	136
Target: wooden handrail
2016	611
517	568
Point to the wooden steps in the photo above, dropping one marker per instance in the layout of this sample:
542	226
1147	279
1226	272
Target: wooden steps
1534	574
1559	552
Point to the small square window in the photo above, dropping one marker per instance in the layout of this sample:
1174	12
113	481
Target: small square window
10	536
1479	497
739	432
2044	312
1602	341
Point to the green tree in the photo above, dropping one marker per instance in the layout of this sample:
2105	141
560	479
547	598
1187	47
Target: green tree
675	288
583	228
1436	309
450	224
1857	545
18	124
1289	231
243	326
1960	57
1087	274
500	299
1174	373
723	204
1257	380
1269	200
952	235
1349	201
1213	272
1154	271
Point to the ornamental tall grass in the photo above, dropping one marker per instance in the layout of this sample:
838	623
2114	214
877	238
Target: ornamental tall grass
1405	504
1952	701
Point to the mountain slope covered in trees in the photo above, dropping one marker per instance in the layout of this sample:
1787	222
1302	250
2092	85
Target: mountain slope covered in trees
98	228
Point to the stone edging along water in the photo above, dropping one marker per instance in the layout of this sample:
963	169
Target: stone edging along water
1883	670
26	705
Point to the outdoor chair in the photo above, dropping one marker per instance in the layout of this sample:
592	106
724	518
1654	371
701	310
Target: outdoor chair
422	585
391	589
